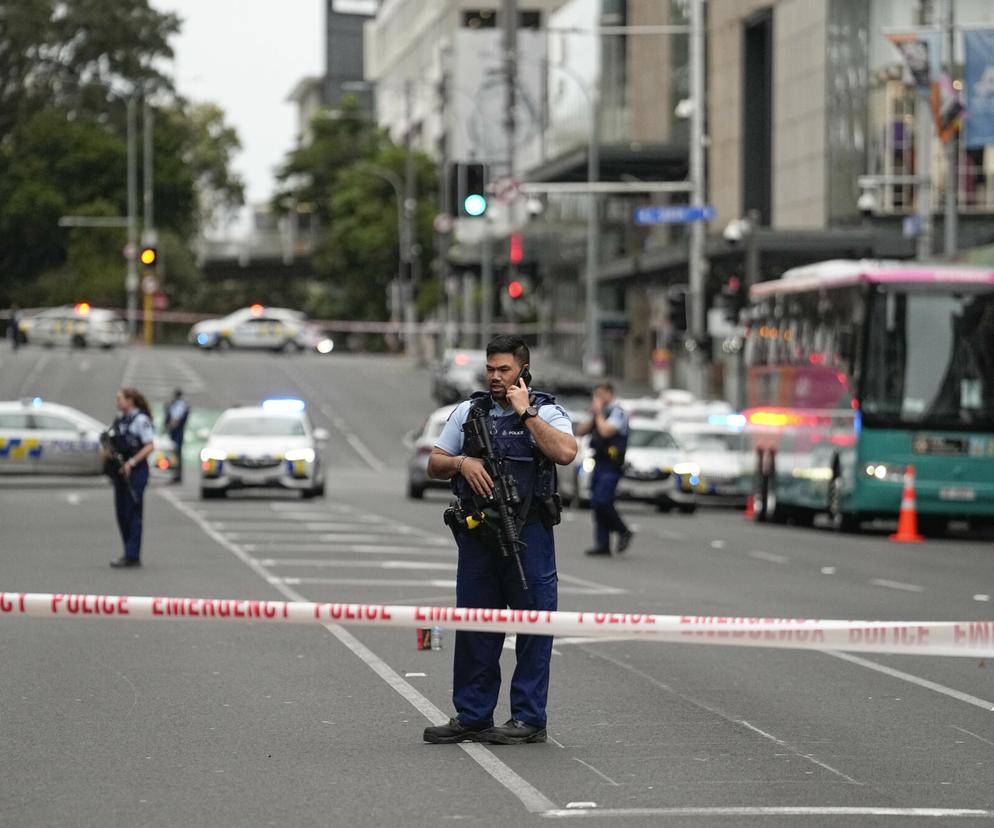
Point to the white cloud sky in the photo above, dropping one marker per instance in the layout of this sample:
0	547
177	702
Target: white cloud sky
246	57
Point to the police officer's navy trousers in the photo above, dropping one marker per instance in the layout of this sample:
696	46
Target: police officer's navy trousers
129	509
603	486
177	438
487	580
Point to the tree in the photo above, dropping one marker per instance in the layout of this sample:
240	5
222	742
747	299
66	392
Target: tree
66	71
335	176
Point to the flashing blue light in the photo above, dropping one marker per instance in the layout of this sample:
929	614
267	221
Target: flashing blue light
475	205
730	420
36	402
203	339
283	406
694	480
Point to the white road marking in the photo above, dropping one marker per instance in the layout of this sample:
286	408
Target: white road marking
73	499
431	584
84	365
883	582
533	799
717	544
714	711
671	535
971	733
603	776
798	753
351	537
983	704
828	570
355	548
787	810
353	440
981	597
128	376
318	562
297	527
772	557
600	589
414	675
28	384
317	508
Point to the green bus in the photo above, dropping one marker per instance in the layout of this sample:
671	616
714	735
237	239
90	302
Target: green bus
859	369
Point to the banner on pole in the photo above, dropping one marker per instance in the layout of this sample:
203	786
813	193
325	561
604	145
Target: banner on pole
922	54
979	78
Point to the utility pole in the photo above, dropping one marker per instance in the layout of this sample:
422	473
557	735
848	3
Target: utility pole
510	26
696	253
131	277
952	148
446	208
148	224
410	252
593	357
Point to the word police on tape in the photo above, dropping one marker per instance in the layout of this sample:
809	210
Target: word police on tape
954	638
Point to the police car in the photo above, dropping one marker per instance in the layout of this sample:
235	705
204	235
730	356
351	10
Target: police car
260	327
77	325
272	445
41	437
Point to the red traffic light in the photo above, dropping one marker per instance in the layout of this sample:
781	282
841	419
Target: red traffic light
515	289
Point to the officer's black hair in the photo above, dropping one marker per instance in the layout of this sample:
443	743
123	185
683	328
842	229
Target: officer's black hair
510	344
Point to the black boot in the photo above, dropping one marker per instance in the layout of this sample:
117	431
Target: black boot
513	732
454	731
123	562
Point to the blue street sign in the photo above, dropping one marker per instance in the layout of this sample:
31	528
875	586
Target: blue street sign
674	214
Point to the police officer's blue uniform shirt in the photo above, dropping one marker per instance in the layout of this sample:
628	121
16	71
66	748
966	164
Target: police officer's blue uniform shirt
141	426
618	418
451	439
177	410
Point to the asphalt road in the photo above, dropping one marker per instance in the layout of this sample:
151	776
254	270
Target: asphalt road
123	723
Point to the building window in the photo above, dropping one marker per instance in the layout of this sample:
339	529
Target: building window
487	19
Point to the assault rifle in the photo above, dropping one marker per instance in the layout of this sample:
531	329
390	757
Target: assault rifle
501	508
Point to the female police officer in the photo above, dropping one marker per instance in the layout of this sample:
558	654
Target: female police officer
130	440
530	433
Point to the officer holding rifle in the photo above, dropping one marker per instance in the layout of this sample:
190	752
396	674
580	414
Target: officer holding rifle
500	450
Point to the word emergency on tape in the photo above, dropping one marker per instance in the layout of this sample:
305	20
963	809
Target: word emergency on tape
950	638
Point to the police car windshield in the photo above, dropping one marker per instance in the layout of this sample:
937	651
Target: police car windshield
260	427
650	438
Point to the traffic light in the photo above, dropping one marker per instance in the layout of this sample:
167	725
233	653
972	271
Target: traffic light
148	256
515	289
468	190
676	297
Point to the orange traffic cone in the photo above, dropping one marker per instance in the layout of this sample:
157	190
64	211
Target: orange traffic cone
907	518
750	510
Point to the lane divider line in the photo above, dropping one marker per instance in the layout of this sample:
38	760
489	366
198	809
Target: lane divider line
883	582
533	799
983	704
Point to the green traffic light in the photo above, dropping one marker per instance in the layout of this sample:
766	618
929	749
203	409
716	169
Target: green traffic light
475	205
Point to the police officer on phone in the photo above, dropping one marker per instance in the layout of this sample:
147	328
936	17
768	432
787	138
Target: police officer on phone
127	444
608	430
531	435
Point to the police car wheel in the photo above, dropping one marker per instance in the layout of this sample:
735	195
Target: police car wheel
687	508
211	494
414	491
79	341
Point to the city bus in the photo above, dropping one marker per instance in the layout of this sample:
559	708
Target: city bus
859	369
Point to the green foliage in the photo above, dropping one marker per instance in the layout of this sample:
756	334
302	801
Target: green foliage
343	178
66	70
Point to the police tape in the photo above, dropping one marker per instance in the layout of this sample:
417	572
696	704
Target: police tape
950	638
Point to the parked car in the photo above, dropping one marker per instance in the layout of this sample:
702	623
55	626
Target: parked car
272	445
257	327
422	441
41	437
717	451
654	470
458	374
78	326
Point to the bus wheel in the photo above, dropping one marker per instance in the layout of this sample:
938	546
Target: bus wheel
840	521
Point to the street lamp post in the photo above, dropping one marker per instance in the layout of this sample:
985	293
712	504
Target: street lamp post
696	253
